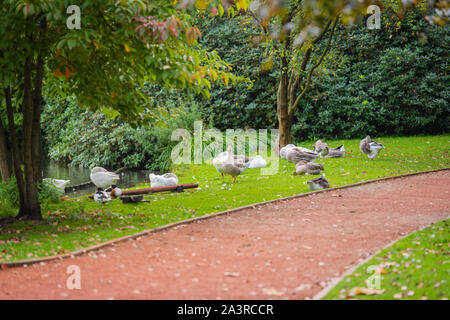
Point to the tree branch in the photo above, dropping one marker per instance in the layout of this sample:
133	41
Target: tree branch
294	106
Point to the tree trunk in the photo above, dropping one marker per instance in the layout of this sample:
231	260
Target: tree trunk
17	163
284	119
5	164
31	208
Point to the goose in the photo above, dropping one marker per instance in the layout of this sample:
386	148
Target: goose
338	152
318	183
101	197
297	154
257	162
167	179
370	148
114	191
102	178
228	163
321	148
58	183
284	150
304	167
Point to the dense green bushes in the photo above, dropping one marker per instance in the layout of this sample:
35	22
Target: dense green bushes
9	196
392	82
91	139
240	106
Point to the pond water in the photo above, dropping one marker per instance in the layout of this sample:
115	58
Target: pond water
80	175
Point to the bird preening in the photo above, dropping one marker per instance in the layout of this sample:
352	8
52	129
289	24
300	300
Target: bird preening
370	148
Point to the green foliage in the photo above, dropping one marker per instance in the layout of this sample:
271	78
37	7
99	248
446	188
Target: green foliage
107	61
89	139
49	193
9	196
389	81
241	106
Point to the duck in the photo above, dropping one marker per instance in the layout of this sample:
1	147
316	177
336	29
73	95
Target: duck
114	191
58	183
101	196
338	152
284	150
318	183
167	179
102	178
304	167
321	148
370	148
296	154
231	164
257	162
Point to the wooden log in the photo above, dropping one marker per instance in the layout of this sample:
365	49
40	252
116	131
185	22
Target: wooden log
176	187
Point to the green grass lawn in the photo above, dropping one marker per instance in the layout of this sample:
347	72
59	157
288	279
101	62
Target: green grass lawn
72	225
415	267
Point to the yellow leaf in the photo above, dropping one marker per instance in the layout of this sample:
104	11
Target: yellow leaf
126	48
201	4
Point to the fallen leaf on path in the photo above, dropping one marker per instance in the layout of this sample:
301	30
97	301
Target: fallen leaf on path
365	291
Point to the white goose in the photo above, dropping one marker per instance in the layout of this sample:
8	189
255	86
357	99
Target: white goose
228	163
58	183
257	162
167	179
102	178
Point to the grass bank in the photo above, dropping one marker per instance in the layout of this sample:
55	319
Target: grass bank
416	267
79	223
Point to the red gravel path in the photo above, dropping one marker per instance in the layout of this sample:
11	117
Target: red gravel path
287	250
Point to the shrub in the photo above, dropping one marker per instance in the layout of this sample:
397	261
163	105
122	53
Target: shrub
393	81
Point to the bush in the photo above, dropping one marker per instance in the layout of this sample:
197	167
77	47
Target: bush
89	139
9	196
393	81
240	106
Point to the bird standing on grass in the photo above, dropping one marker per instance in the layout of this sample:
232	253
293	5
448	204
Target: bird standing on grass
228	163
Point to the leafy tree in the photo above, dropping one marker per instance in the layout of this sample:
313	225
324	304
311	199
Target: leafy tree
295	32
119	46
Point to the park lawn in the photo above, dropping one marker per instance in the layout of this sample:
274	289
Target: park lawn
79	223
415	267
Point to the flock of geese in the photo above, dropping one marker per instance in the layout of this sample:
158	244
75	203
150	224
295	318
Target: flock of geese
304	160
227	163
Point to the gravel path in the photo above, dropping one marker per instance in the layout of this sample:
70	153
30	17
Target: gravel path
287	250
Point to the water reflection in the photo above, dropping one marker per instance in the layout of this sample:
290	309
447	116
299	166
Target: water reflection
80	175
